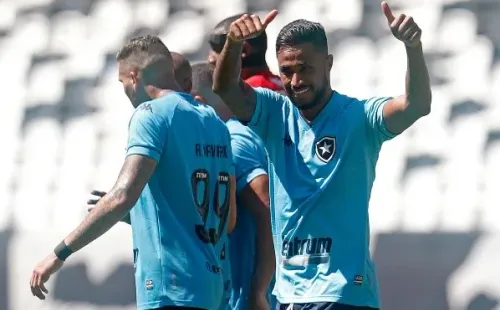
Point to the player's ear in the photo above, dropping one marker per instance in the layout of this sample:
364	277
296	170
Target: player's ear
329	60
134	77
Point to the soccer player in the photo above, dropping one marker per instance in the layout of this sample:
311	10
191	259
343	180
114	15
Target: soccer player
323	147
254	69
177	182
251	246
182	71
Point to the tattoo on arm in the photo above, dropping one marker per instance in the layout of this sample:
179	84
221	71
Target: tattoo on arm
115	205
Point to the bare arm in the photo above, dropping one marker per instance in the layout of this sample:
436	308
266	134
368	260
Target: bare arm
115	205
255	197
401	112
93	202
232	206
236	94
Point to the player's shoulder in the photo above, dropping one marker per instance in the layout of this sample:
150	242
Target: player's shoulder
356	105
270	95
243	138
274	100
238	130
361	102
179	103
148	112
347	100
163	106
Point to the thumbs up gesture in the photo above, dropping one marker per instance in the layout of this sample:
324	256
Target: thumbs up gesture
249	26
403	27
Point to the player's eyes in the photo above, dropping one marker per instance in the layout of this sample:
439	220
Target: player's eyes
286	71
306	69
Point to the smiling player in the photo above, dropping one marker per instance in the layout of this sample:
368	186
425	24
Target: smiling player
323	147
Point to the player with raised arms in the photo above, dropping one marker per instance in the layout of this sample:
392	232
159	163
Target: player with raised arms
323	147
251	250
177	182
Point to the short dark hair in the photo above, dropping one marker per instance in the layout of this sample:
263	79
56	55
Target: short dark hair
217	38
146	52
203	73
302	31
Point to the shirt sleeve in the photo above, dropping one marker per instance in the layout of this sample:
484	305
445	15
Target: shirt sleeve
249	160
374	112
147	134
267	111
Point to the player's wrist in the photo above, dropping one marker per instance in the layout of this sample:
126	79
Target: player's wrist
62	251
233	39
414	47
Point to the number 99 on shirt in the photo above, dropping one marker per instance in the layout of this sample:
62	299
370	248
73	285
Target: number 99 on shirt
205	201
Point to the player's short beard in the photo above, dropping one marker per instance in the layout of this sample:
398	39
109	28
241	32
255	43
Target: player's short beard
318	94
132	95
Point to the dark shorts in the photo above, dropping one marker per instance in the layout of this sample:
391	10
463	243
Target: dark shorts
320	306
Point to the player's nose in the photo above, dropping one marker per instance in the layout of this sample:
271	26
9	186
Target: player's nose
296	82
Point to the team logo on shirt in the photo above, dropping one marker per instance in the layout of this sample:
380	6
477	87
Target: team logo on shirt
325	148
145	107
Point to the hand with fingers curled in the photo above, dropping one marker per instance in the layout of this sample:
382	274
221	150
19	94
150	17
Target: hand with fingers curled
403	27
92	202
249	26
42	273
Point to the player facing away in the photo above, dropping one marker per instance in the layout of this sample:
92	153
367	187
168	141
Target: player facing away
177	182
323	147
254	69
251	246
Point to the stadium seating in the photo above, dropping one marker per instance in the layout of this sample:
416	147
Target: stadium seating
65	116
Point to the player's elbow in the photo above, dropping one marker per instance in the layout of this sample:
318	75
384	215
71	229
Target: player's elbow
123	200
424	108
421	105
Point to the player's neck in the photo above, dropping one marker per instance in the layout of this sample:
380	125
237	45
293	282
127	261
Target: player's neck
310	114
155	93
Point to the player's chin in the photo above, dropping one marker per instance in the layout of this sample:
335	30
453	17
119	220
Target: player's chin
303	102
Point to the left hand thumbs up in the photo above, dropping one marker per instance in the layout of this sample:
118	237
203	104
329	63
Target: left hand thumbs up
402	27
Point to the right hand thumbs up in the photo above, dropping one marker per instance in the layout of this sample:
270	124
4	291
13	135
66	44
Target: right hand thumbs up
249	26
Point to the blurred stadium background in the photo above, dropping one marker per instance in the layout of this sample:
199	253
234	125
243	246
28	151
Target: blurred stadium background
436	203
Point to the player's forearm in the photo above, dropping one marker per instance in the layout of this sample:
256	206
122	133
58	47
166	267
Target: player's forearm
109	211
265	262
228	68
418	88
239	97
